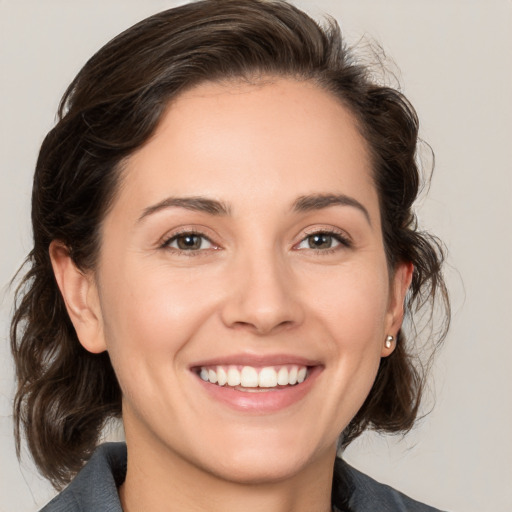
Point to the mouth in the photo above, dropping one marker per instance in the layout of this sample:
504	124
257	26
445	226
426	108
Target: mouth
257	385
254	378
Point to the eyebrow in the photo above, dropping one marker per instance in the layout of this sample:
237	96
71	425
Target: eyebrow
320	201
195	203
213	207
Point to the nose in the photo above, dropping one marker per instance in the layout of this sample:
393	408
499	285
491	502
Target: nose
262	296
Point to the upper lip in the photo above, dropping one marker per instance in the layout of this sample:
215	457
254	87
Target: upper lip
257	360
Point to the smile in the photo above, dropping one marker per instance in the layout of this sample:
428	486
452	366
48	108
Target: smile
250	378
257	384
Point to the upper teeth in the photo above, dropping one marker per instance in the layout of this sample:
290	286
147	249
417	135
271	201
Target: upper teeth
250	377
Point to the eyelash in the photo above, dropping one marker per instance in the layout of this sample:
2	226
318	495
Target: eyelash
187	233
339	237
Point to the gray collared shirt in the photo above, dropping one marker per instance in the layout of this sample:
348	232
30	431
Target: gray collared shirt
95	488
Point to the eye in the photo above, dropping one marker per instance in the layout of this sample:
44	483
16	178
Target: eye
323	240
189	242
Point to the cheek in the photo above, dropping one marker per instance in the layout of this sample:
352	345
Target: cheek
153	314
353	303
150	319
352	314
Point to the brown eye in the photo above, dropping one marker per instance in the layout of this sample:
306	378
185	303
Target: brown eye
189	242
320	241
323	241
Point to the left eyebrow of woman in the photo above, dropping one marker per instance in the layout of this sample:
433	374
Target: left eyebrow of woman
320	201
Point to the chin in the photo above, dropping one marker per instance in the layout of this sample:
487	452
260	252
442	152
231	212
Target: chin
266	461
259	470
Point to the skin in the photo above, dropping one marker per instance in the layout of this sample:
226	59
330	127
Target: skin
254	287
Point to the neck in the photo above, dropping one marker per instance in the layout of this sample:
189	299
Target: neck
161	481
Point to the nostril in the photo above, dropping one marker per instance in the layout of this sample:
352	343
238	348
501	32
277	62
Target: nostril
261	299
263	328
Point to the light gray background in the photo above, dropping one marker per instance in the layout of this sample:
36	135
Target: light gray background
455	62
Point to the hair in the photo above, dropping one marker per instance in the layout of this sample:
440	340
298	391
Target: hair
65	394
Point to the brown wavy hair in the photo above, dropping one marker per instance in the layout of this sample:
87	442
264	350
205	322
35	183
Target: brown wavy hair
65	395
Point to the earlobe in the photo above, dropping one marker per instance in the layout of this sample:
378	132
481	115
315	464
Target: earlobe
399	287
80	295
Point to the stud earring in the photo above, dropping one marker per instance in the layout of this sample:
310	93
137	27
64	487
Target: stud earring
389	341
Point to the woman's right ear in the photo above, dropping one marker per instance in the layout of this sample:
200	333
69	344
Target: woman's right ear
80	295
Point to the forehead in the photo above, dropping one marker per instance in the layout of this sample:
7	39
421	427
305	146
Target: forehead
237	141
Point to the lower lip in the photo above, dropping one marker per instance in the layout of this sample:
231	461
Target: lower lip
266	401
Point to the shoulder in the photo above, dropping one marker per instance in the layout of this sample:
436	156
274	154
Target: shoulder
94	489
357	492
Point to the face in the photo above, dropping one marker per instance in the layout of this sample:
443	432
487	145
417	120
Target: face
244	248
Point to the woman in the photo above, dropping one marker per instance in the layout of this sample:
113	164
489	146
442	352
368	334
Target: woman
224	251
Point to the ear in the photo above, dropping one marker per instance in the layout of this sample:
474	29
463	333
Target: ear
80	295
398	289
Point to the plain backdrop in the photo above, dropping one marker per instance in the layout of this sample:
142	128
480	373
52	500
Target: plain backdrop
454	58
